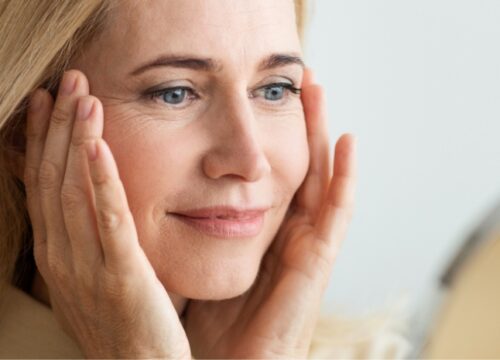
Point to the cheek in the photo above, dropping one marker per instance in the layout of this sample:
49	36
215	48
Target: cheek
152	159
289	150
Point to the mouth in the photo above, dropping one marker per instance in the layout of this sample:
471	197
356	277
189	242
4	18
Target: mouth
224	222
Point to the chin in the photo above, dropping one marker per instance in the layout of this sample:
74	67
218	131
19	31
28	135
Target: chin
214	281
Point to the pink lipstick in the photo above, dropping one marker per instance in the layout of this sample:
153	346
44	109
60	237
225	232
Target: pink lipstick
223	221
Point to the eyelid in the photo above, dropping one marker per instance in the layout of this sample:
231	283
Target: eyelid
162	89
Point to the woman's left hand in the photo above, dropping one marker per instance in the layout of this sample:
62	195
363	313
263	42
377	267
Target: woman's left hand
277	316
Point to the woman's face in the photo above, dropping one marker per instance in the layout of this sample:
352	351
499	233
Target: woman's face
229	141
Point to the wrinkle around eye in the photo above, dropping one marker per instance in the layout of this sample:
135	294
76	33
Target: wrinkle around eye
126	123
292	105
134	117
284	114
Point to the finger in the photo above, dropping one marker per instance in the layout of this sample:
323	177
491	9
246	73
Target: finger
308	77
53	164
37	125
336	211
311	194
115	223
76	192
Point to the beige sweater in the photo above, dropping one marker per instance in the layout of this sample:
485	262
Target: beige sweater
28	329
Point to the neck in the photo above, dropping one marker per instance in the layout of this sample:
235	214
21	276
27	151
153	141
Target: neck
41	293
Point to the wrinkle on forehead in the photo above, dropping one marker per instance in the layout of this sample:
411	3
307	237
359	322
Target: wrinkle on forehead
238	33
205	10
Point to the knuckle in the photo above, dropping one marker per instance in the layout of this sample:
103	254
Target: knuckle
109	220
72	197
60	117
78	139
322	266
48	176
30	178
32	135
103	180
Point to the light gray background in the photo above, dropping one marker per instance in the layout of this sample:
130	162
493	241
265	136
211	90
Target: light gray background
419	83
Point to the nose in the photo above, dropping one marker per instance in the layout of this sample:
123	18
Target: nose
236	150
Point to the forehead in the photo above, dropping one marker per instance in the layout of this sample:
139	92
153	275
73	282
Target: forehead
235	31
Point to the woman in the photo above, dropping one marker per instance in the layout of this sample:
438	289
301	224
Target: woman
177	175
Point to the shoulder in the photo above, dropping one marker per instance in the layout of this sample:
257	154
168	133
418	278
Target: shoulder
28	329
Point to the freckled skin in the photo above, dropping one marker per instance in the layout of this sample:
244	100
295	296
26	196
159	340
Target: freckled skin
223	148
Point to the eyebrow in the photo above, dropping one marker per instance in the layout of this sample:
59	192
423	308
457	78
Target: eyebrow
210	65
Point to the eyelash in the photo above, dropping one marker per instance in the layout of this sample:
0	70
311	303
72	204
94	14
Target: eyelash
289	88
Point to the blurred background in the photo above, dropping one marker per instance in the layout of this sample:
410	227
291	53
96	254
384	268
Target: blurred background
418	82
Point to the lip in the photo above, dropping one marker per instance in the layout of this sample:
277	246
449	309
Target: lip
224	221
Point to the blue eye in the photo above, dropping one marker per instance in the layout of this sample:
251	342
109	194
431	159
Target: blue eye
275	92
176	96
173	96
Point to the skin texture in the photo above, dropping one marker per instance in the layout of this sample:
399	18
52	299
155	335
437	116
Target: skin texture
222	149
227	145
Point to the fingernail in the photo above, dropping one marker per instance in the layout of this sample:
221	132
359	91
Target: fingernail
36	100
91	149
68	83
84	108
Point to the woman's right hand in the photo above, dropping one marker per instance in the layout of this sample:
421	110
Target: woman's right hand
103	290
